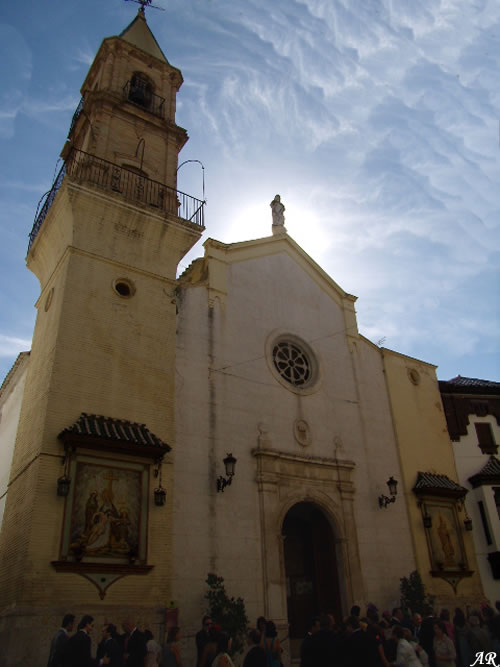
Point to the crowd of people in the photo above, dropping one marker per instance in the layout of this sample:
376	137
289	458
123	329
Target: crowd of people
393	639
389	639
132	648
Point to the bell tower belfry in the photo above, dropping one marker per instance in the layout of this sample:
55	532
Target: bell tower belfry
99	398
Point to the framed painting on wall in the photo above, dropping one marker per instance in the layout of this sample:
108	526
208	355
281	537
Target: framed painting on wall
446	546
106	512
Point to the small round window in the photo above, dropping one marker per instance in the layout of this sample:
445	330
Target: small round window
292	363
124	287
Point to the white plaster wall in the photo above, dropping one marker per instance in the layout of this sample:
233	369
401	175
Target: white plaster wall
225	389
10	408
470	460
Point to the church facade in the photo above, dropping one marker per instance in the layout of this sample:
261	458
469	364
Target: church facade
141	387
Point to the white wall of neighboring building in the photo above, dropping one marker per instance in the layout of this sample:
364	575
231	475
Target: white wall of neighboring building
10	407
470	460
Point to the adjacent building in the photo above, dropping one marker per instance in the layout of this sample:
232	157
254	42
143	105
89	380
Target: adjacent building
472	409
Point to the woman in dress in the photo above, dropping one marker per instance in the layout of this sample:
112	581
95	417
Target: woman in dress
444	650
171	653
222	659
405	656
210	649
153	650
271	645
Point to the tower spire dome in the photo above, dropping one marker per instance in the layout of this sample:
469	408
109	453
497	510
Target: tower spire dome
139	34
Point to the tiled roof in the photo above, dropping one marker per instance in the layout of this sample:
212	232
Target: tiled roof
460	381
489	474
442	485
117	430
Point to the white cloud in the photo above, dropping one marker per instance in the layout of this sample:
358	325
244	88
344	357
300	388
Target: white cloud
11	346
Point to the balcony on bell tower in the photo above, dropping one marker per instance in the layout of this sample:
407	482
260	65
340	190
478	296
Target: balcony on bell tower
123	139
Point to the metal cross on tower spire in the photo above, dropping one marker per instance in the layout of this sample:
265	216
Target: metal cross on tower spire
145	3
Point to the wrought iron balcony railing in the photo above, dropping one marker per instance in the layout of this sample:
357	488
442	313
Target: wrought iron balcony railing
132	186
76	115
140	93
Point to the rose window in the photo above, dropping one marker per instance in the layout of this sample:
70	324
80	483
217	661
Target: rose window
292	363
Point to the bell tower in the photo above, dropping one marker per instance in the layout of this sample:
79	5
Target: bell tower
105	247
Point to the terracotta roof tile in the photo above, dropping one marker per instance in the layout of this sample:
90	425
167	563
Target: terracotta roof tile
489	474
473	382
120	430
433	483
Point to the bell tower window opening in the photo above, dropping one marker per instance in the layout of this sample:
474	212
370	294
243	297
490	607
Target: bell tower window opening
141	90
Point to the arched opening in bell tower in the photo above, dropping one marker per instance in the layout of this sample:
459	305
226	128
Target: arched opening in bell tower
311	567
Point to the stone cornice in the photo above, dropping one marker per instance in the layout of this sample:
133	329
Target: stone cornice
326	462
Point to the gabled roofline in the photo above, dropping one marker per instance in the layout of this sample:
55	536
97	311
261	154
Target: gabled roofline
273	245
406	356
20	361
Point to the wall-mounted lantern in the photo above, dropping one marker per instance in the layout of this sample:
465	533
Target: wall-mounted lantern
160	495
229	464
64	482
392	485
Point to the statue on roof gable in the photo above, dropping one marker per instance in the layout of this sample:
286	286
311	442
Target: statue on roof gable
278	211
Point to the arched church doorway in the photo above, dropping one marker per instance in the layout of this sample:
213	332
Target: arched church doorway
311	567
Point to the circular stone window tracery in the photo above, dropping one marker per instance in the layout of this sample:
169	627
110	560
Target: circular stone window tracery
292	363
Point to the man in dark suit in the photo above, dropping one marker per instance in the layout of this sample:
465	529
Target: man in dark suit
109	651
79	645
134	644
202	638
59	642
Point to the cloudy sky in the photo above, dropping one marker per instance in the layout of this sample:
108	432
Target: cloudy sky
377	121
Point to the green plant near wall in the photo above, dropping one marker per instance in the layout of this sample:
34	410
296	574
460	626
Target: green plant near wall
413	595
228	612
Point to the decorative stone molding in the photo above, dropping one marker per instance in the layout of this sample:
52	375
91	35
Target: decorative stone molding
302	432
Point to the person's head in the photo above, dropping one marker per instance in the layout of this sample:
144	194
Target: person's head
254	637
397	613
87	623
444	615
261	624
417	620
487	611
68	622
387	615
173	634
398	632
206	622
271	630
474	621
148	635
372	616
439	629
315	625
109	631
223	643
128	625
355	610
407	634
